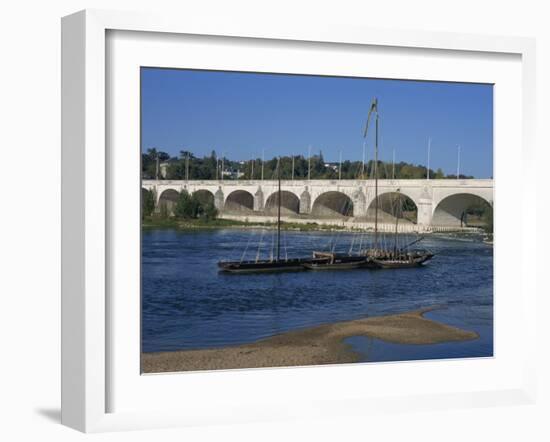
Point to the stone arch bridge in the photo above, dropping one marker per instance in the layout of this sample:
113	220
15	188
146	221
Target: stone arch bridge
438	202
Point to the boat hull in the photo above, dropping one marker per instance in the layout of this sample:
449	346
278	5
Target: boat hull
402	263
339	263
289	265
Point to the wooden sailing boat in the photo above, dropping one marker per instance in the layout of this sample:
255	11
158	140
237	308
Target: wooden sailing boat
333	261
375	257
360	260
394	258
274	264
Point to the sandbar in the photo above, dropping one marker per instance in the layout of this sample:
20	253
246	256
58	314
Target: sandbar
323	344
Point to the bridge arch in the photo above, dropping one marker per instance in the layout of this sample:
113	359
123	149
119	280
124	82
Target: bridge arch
290	203
204	196
459	210
168	199
392	205
332	204
239	201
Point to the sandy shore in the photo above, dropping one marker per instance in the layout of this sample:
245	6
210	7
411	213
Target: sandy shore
311	346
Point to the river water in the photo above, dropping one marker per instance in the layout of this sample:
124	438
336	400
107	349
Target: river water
188	304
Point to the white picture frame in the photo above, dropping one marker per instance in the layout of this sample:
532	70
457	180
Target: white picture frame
86	315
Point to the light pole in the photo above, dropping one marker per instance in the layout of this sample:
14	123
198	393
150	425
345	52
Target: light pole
309	163
458	163
157	167
263	160
292	167
393	165
187	167
429	149
340	168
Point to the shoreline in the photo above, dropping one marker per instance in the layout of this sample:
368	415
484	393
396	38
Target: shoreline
293	225
318	345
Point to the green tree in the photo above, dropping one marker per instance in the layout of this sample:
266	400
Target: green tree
149	162
487	218
148	203
193	207
209	211
163	211
186	206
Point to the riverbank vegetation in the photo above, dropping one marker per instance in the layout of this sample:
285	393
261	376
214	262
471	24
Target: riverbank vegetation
192	206
185	207
192	211
159	222
479	215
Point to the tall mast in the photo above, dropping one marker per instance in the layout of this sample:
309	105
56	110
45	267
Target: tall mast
375	106
396	222
363	163
279	210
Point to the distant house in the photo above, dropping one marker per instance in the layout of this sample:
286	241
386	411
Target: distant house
232	174
163	169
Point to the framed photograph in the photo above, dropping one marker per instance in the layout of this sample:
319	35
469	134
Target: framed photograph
269	223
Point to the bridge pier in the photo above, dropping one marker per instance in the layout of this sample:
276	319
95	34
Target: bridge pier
359	204
259	200
305	202
219	199
424	214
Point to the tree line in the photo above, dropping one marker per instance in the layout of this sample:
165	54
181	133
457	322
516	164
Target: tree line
187	165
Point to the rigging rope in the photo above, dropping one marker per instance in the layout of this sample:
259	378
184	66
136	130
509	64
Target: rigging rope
246	248
284	245
272	243
259	246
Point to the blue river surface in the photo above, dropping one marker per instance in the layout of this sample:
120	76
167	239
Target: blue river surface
188	304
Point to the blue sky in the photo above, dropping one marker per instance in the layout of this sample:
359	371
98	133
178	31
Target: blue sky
239	114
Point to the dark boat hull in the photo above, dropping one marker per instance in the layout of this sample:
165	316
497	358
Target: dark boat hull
289	265
415	261
339	263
